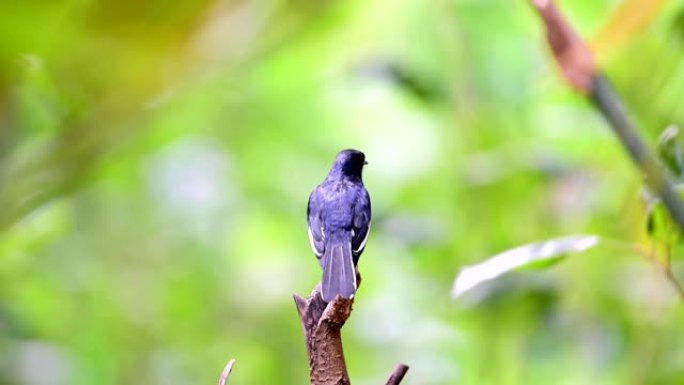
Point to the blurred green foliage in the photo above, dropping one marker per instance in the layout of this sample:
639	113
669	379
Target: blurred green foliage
156	158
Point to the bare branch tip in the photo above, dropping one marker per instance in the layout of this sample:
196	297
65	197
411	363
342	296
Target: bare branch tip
226	372
300	303
573	56
541	4
397	374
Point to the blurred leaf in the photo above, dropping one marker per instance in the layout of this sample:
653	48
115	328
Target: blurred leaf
678	26
523	256
671	152
628	19
659	225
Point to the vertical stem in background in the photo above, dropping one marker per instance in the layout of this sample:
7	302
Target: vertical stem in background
607	101
577	65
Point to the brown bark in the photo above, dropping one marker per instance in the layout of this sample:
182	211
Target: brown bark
322	324
397	375
572	54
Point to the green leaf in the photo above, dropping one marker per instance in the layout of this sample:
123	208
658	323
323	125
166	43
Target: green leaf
533	254
660	227
671	152
659	224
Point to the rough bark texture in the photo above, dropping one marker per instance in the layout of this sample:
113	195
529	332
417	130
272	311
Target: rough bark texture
322	324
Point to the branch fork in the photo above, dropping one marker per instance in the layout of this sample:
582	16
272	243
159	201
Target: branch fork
322	323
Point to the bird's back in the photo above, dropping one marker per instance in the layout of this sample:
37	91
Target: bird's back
339	198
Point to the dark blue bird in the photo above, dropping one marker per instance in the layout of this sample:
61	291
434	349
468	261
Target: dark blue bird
339	217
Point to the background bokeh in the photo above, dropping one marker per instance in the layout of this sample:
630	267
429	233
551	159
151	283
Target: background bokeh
156	158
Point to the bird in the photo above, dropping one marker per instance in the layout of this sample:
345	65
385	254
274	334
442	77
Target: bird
339	220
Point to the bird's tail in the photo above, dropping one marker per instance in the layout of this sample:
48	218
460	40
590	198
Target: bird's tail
339	274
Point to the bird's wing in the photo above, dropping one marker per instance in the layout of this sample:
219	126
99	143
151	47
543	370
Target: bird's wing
362	222
315	222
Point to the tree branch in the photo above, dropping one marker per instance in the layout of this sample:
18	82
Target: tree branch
322	324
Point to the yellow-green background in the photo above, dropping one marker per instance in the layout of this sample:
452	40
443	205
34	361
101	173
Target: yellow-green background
156	158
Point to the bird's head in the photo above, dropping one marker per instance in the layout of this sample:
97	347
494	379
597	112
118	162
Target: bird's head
350	163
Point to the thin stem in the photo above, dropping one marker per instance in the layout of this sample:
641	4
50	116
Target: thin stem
651	257
607	101
579	68
677	285
668	257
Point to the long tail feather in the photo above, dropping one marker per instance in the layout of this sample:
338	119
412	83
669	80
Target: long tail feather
339	275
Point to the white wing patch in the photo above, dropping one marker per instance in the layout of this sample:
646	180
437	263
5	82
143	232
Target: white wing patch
365	239
313	244
351	267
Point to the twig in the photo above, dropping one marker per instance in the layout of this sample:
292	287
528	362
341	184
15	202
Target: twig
226	372
669	275
650	256
675	283
578	67
397	375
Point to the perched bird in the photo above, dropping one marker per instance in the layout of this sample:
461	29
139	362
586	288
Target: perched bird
339	218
